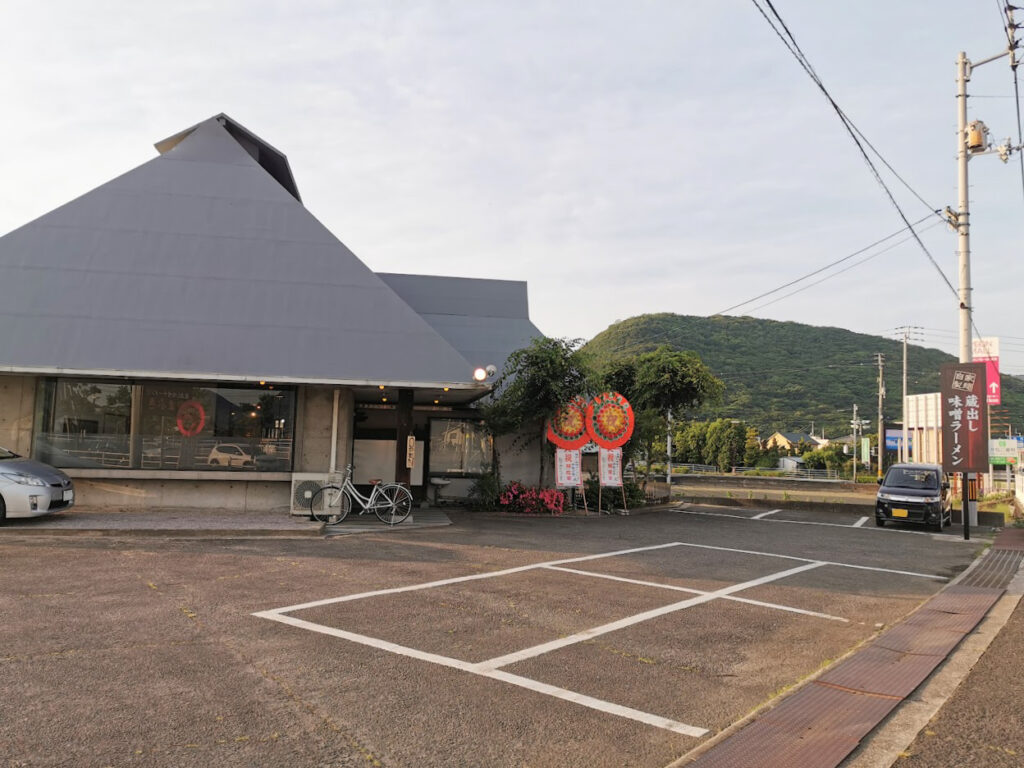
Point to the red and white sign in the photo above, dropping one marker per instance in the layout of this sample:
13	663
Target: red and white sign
568	468
609	462
986	350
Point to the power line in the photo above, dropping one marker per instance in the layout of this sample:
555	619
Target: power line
822	269
1010	27
839	272
802	60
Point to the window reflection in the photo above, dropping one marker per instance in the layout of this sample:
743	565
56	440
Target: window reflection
219	428
85	424
459	446
178	426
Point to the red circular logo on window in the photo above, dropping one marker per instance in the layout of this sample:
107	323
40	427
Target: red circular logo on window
191	418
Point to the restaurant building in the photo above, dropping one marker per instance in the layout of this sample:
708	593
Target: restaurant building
188	334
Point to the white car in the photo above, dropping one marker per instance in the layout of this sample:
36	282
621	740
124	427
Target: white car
30	488
229	455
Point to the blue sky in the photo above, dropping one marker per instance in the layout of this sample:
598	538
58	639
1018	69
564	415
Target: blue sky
623	158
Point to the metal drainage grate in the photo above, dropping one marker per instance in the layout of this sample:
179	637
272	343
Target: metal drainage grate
995	572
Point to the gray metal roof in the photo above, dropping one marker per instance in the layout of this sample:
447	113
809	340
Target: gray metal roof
202	263
485	320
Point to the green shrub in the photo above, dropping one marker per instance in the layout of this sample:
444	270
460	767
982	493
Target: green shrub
611	498
486	491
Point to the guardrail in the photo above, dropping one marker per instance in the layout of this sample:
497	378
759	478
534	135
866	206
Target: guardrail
708	469
700	469
812	474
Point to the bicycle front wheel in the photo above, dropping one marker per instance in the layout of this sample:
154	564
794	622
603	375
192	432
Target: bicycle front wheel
330	505
393	504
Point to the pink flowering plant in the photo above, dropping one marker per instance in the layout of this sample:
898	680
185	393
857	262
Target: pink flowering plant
528	500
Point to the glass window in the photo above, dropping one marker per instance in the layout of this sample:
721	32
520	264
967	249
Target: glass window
187	426
459	446
89	423
83	423
900	477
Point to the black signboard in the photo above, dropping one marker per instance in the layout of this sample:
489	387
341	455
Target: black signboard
964	418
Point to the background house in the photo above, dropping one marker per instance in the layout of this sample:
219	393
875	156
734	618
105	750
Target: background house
789	441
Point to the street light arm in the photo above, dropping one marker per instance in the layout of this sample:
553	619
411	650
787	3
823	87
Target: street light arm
972	64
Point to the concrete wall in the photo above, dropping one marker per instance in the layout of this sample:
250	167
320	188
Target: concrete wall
316	408
780	483
17	403
520	460
211	495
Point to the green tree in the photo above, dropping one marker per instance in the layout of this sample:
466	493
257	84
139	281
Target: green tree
537	380
658	384
691	439
769	457
751	448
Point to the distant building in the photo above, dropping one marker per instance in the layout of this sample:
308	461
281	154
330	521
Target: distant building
924	427
788	441
791	463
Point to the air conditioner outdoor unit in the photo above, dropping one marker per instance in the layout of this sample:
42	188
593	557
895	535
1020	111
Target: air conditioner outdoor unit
304	485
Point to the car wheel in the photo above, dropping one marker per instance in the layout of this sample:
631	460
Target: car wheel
3	510
214	463
880	522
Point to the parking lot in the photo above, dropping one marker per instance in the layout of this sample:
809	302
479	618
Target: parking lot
602	641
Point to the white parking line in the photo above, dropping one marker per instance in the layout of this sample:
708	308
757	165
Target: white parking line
763	515
598	704
760	603
473	577
374	642
952	539
822	562
579	637
506	677
491	668
861	522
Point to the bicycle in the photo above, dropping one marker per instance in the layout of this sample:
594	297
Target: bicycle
391	502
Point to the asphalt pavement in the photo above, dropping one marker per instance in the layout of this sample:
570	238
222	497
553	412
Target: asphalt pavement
137	646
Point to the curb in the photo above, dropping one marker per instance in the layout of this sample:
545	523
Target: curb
891	738
181	533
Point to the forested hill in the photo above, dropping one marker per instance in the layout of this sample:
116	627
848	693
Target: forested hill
784	376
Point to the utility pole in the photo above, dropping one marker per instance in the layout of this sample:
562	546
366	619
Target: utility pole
668	456
881	422
905	445
904	454
858	428
854	424
972	139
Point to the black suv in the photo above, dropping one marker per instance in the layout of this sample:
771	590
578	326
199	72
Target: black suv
914	493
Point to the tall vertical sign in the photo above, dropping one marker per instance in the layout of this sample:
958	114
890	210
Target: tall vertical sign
964	418
986	351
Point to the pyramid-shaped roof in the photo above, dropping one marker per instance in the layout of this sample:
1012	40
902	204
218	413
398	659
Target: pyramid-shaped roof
203	263
485	320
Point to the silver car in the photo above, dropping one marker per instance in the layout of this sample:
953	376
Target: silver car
30	488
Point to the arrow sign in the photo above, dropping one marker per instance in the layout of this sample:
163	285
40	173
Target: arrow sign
986	351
